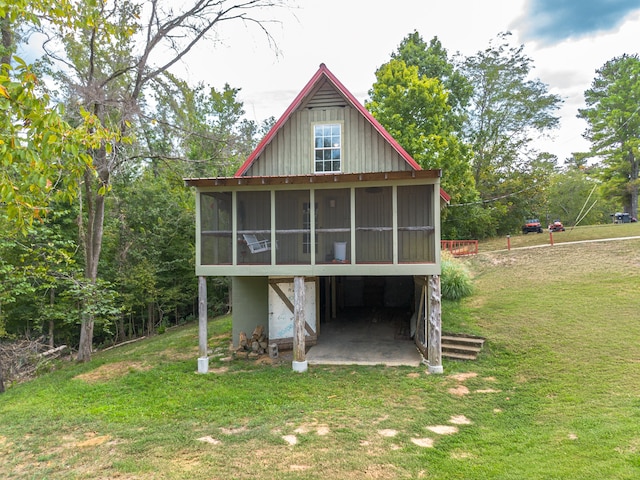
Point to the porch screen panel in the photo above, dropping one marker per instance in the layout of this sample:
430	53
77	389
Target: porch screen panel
416	239
254	227
215	228
333	225
374	225
293	227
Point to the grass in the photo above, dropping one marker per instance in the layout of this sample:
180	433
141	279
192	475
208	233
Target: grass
555	393
572	234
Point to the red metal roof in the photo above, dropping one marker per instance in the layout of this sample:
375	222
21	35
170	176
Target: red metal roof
324	73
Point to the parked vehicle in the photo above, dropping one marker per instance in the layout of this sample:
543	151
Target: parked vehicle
532	225
556	226
623	218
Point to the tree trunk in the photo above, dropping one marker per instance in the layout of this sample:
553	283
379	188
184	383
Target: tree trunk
121	334
52	299
86	338
635	173
91	240
151	318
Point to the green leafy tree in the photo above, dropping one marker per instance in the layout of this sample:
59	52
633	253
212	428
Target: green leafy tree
507	113
43	157
419	97
613	118
113	52
37	268
150	249
574	197
202	127
412	109
433	61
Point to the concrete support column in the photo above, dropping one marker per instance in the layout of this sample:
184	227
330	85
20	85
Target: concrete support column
434	329
203	358
299	347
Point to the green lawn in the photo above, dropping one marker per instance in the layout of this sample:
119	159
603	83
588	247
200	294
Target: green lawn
572	234
555	394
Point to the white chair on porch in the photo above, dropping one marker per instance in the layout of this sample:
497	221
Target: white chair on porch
255	245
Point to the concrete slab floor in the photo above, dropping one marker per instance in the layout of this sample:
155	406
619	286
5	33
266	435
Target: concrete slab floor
363	341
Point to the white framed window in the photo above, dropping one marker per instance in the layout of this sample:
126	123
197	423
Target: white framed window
327	147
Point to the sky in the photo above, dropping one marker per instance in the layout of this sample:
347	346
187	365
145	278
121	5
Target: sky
568	40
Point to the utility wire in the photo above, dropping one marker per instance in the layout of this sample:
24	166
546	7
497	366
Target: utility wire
488	200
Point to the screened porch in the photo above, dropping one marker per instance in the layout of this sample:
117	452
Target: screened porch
370	223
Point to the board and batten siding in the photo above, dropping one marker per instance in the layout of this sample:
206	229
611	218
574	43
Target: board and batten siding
291	150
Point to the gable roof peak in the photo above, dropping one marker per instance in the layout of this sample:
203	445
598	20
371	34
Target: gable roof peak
323	71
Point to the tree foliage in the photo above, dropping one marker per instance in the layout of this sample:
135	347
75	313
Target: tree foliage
117	150
107	57
508	111
613	118
424	116
43	157
573	196
433	61
200	127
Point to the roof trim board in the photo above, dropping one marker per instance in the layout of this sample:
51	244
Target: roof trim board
313	179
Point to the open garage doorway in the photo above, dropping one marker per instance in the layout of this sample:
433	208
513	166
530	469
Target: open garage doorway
366	320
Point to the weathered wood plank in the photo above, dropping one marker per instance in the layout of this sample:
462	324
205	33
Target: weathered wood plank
435	326
299	353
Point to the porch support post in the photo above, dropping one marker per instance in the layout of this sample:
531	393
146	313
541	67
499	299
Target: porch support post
203	359
434	329
299	353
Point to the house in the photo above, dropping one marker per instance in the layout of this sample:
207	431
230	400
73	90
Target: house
328	212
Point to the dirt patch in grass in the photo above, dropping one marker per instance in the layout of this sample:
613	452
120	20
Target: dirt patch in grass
443	429
209	439
180	355
423	442
460	420
459	391
111	371
461	377
93	441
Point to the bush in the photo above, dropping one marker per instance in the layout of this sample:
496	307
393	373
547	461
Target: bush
455	281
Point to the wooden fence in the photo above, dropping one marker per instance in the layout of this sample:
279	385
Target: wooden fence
460	247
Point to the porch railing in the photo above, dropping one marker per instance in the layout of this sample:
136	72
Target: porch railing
460	247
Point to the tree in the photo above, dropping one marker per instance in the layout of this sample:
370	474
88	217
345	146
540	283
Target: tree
419	97
433	61
613	118
508	111
574	197
113	52
43	156
202	127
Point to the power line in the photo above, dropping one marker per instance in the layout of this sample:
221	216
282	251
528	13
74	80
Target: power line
479	202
